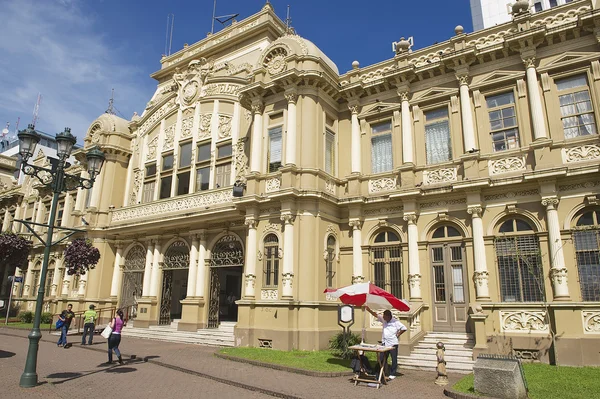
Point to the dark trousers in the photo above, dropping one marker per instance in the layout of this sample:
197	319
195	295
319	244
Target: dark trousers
113	345
63	335
88	328
394	354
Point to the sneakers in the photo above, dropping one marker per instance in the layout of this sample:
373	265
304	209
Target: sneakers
391	377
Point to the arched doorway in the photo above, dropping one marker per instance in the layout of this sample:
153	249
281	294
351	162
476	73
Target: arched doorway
133	278
385	257
176	263
226	269
448	270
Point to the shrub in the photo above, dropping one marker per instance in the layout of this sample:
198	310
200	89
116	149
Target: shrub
26	317
46	318
339	343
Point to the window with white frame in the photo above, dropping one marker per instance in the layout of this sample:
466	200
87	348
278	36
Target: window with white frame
438	145
576	110
203	167
381	147
223	166
329	152
274	152
503	121
271	261
149	183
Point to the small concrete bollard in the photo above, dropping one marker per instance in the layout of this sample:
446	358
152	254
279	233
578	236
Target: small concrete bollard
442	375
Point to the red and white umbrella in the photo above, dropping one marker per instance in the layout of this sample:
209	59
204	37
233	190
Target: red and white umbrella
367	294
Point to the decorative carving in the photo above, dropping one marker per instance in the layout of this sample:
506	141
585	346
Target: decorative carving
588	152
562	18
414	280
591	321
330	186
358	279
356	224
291	97
463	80
273	184
353	108
586	185
550	202
215	89
250	281
169	138
270	227
330	298
228	251
269	294
186	126
94	133
135	187
523	321
259	256
529	62
376	324
384	211
411	218
475	211
250	222
287	279
437	176
430	58
152	144
258	108
156	116
559	276
196	202
506	165
511	194
288	218
382	184
480	278
204	126
274	61
224	126
526	354
177	256
192	79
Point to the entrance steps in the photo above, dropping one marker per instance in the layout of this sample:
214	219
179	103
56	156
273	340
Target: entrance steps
222	336
458	355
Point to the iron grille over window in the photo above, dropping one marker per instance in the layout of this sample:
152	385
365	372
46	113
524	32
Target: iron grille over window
329	261
271	267
587	253
520	268
386	258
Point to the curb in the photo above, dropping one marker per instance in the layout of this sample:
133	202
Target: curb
449	392
322	374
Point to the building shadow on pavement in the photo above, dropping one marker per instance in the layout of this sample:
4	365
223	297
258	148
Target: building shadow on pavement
121	370
5	354
73	376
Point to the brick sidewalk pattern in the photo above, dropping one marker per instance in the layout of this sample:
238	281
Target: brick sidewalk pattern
194	364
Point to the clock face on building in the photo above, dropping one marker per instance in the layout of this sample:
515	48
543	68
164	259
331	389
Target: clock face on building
189	91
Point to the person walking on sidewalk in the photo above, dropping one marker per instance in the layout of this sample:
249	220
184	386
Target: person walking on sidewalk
66	317
89	324
115	337
392	330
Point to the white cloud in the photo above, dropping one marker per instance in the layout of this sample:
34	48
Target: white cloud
56	48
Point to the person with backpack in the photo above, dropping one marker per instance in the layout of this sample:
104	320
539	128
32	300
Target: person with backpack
65	317
115	337
89	324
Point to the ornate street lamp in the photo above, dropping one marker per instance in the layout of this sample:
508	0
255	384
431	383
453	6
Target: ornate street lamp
59	181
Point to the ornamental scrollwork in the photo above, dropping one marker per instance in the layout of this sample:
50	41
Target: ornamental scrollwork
224	126
275	61
287	279
382	184
559	276
177	256
506	165
330	186
480	278
169	137
591	322
550	202
475	211
523	321
228	251
137	184
269	294
135	259
588	152
414	280
152	144
250	281
204	126
437	176
186	126
273	184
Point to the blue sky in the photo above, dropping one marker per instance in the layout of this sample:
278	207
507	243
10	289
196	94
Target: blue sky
75	51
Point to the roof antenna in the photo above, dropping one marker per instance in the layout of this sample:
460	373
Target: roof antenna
111	107
222	19
288	21
169	34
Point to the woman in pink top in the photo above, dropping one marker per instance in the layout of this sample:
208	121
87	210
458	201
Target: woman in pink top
115	337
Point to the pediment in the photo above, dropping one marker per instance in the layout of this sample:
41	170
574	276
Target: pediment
378	108
496	77
568	58
435	92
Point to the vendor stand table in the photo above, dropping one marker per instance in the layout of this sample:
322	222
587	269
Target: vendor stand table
362	375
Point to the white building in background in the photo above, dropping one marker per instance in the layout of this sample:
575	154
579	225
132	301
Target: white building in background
487	13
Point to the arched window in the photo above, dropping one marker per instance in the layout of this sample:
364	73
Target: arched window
329	258
519	262
446	232
386	261
271	261
587	250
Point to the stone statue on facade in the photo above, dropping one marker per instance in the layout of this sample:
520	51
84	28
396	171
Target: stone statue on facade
442	375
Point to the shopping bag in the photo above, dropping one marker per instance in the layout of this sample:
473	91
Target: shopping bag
106	332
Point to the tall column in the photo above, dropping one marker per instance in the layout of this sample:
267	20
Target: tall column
256	145
117	272
414	269
81	195
66	220
558	272
97	188
357	265
466	113
290	144
193	268
148	269
535	100
39	215
56	280
82	285
66	285
6	220
355	144
28	279
288	255
407	132
201	272
251	251
481	275
154	281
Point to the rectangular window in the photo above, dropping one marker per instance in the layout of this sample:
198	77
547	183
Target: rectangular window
202	178
35	282
59	213
183	183
538	6
148	192
49	278
165	187
275	143
204	152
223	175
185	155
381	147
520	269
576	110
329	152
167	162
503	121
150	170
438	146
224	151
587	252
553	3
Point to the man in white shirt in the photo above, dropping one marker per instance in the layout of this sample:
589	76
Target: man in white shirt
392	330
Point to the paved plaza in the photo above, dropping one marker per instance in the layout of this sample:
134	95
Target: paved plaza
155	369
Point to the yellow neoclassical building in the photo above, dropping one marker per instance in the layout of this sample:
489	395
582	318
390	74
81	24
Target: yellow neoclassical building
463	177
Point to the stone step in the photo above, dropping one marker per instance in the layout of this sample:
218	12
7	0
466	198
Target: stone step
432	346
409	362
427	351
449	359
450	335
190	334
432	369
189	339
448	341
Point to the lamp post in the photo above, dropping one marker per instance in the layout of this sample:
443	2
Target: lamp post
59	181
